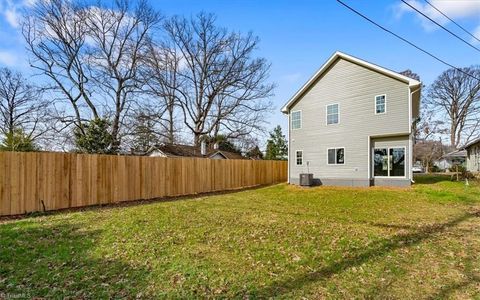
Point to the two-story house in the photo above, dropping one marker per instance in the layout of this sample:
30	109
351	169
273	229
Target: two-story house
352	124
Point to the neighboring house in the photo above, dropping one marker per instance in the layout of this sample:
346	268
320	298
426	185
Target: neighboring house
454	158
473	156
351	124
178	150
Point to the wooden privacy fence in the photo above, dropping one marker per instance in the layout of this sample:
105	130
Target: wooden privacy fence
48	181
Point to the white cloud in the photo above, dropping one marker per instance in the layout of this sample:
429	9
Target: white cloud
12	17
8	59
476	33
29	3
455	9
10	10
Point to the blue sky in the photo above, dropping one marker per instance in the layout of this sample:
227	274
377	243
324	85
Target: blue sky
297	37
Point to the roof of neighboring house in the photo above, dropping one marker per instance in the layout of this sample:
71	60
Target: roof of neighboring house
179	150
456	154
475	141
337	55
226	154
174	150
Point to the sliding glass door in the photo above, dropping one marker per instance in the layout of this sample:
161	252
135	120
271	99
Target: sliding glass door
389	162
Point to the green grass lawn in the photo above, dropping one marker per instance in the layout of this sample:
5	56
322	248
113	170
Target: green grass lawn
281	241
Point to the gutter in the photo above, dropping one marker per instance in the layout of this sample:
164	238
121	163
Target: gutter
410	142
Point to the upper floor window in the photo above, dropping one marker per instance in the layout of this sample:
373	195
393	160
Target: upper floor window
296	119
299	157
332	114
380	104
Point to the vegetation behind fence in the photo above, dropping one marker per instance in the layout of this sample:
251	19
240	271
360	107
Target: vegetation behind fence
48	181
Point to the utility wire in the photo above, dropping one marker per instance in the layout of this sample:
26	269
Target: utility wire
440	25
451	20
405	40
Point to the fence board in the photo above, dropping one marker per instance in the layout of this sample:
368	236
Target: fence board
36	181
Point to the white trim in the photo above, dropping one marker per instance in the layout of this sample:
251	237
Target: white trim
301	117
288	149
344	156
410	104
410	156
385	104
326	113
218	152
369	176
388	155
411	82
296	164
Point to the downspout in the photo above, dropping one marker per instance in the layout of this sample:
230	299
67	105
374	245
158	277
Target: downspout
410	140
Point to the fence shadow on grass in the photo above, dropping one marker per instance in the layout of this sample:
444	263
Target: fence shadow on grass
377	250
55	261
431	178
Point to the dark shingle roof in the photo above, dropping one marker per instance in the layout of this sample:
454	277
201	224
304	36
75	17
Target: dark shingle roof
179	150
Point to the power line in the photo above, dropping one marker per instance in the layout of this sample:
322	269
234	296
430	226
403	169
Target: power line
405	40
451	20
440	25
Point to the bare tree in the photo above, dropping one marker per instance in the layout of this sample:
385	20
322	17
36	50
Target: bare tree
409	73
92	55
427	151
427	126
163	83
21	105
120	37
456	95
221	82
55	32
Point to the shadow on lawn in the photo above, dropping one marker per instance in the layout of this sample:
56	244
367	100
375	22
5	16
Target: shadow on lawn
376	250
55	261
431	179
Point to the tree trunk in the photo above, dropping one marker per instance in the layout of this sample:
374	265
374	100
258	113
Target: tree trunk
196	139
171	138
453	136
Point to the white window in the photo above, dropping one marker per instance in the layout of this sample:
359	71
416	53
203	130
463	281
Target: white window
296	119
380	104
336	156
332	114
299	157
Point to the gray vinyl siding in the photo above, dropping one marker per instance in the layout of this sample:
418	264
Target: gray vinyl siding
473	158
354	88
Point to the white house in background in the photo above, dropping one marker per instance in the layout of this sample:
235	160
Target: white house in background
451	159
351	124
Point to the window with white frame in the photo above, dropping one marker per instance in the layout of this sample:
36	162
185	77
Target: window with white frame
336	156
299	157
380	104
332	114
296	119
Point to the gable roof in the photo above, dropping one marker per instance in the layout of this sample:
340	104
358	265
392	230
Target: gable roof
477	140
226	154
456	154
179	150
337	55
